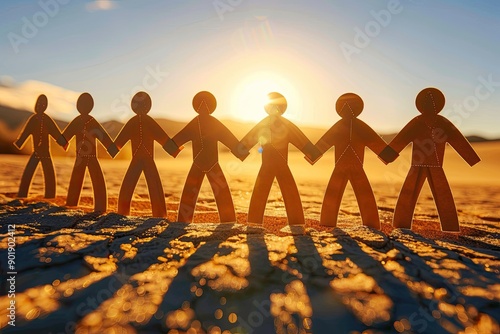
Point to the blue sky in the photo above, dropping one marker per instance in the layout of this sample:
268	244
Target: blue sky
311	51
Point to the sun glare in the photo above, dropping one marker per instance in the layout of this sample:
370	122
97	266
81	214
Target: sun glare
250	96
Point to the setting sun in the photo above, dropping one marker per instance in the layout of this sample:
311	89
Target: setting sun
250	96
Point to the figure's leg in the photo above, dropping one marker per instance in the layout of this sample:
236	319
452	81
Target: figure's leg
444	200
128	185
190	194
155	188
28	173
260	194
291	197
366	198
333	197
50	178
403	213
222	194
98	186
76	181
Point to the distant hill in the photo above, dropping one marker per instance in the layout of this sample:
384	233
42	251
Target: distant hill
13	118
472	138
12	121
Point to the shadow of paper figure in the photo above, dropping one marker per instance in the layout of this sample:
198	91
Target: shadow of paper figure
205	132
350	136
274	133
40	126
429	133
87	131
142	131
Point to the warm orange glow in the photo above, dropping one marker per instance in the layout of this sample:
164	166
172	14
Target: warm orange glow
250	96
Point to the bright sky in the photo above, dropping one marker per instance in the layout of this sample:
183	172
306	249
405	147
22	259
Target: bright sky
310	51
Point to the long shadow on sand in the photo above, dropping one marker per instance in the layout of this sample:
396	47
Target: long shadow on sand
453	271
88	299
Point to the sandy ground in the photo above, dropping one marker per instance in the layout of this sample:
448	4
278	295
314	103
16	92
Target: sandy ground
82	272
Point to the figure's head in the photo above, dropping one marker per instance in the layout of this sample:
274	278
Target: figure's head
85	104
204	103
349	105
41	104
430	101
277	104
141	103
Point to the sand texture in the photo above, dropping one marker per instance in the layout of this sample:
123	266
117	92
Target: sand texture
105	273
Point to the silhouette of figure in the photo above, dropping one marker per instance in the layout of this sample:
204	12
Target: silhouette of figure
205	131
350	136
87	131
274	133
429	133
40	126
142	131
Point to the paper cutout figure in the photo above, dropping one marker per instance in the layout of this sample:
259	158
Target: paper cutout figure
429	133
205	131
274	133
87	131
40	126
142	131
350	136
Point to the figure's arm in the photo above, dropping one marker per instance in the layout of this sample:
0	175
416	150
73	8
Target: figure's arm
250	139
402	139
69	132
187	133
174	145
162	138
105	139
457	140
386	153
25	133
299	140
157	131
227	138
55	132
327	140
405	136
124	135
71	129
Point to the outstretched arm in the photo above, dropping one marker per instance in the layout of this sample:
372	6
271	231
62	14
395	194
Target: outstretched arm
175	145
227	138
460	143
162	138
327	140
251	138
71	129
125	134
105	139
299	140
55	132
405	136
25	133
187	133
158	133
376	143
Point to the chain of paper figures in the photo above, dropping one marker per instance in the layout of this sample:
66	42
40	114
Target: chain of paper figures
348	135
